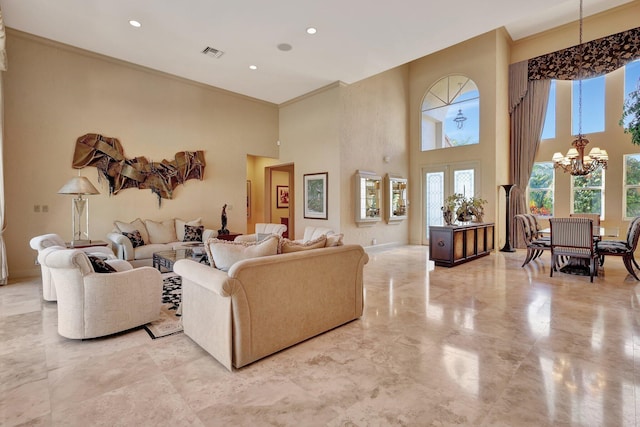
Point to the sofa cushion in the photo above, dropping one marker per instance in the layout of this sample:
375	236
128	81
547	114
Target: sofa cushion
193	233
334	240
135	237
161	232
180	227
223	254
129	227
99	265
288	246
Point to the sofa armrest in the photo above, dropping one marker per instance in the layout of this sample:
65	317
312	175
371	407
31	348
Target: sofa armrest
209	234
121	245
209	278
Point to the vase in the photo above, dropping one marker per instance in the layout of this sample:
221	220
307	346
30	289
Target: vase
448	217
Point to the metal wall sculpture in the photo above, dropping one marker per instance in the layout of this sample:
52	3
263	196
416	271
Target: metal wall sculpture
161	178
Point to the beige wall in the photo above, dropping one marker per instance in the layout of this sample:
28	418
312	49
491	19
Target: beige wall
484	60
309	138
282	179
374	125
54	94
613	139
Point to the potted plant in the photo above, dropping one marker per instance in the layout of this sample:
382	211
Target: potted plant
631	112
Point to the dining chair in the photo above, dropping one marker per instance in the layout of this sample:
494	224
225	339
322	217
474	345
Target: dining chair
573	238
623	248
535	242
592	216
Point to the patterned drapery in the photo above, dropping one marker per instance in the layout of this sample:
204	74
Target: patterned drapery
599	57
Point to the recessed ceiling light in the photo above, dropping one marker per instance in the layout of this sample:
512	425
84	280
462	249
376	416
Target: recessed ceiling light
253	67
135	23
311	30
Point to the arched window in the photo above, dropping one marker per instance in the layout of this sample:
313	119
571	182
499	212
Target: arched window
451	113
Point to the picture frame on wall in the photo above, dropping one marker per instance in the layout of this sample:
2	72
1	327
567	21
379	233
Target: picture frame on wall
282	196
248	199
315	195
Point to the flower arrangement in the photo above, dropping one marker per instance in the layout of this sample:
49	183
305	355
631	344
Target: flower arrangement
464	208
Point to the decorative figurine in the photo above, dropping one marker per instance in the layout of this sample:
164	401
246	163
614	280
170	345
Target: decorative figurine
223	219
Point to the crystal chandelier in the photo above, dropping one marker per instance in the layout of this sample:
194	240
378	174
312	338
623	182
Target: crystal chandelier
575	162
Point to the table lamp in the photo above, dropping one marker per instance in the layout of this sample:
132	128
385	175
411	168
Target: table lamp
79	186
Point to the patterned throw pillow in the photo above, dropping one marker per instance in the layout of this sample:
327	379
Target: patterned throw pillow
99	265
193	233
135	237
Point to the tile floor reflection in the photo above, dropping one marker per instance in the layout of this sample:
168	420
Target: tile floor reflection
485	343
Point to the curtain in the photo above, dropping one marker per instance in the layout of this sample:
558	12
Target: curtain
4	271
528	107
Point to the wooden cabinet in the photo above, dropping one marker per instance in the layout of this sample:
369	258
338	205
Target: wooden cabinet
451	245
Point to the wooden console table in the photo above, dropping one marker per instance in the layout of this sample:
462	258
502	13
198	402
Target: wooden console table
229	236
451	245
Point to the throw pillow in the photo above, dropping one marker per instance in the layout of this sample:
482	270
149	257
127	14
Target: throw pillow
99	265
135	237
288	246
130	227
334	240
180	227
161	232
193	233
223	254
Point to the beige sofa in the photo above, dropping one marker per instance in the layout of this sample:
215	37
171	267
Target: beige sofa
263	305
158	236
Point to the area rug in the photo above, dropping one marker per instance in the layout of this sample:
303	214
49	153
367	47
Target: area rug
169	322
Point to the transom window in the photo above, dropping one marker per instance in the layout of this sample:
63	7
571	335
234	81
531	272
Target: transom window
540	189
549	129
592	106
451	114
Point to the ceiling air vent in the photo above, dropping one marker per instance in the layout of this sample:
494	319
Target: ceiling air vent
212	52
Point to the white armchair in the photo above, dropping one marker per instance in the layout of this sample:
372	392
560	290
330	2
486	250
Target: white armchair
312	233
262	229
43	243
93	304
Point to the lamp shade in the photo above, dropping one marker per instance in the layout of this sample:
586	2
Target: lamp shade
78	185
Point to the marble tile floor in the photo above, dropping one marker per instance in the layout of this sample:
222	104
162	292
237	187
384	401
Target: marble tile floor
486	343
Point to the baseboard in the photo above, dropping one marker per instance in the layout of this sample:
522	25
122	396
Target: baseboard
383	247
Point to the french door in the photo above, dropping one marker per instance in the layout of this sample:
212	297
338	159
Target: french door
439	182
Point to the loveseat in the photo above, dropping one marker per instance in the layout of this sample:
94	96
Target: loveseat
154	236
266	304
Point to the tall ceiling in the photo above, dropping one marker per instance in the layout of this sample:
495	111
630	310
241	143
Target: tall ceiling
355	39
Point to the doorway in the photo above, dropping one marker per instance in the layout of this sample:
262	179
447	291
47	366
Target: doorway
439	182
279	196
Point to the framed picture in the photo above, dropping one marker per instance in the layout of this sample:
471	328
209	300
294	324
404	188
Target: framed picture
248	199
315	195
282	194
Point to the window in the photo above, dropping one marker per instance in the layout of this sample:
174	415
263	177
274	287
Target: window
540	190
631	198
549	129
631	82
592	106
451	114
588	193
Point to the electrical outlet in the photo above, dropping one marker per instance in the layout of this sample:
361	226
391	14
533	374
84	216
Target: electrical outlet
36	208
45	208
